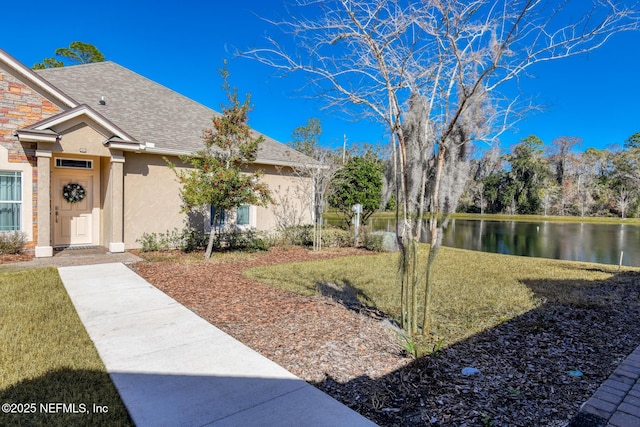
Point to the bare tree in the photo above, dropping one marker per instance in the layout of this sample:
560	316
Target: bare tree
548	195
321	175
306	195
623	200
562	159
482	168
309	182
368	57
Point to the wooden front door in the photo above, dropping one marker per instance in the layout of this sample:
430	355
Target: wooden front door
72	222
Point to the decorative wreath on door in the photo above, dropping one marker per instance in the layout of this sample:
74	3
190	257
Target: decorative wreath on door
73	193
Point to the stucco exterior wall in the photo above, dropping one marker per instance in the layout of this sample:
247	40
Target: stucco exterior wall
80	138
151	197
291	195
152	200
106	189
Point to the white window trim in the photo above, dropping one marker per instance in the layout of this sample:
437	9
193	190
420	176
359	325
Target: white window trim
20	202
253	214
88	161
252	220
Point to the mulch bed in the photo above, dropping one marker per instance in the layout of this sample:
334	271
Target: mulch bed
524	364
310	336
11	258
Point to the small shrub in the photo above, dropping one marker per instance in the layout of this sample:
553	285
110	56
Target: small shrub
299	235
374	242
302	235
380	241
241	240
12	242
169	240
187	240
149	242
336	237
193	240
248	240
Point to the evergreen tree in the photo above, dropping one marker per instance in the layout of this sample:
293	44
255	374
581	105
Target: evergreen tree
218	176
358	182
528	175
76	53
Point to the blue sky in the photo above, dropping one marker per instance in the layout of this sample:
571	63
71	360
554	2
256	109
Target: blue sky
182	44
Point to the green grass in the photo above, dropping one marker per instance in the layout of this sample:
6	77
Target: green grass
47	357
333	217
549	218
473	291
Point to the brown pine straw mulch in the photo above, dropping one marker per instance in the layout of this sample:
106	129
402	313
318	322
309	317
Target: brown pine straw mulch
524	363
11	258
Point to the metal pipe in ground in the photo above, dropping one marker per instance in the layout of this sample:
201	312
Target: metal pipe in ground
620	263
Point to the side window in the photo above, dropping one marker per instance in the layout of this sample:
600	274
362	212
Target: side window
222	218
10	200
242	216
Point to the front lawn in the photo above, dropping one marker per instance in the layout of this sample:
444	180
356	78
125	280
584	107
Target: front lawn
50	372
473	291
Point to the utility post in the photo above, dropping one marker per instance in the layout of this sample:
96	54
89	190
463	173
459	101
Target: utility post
357	209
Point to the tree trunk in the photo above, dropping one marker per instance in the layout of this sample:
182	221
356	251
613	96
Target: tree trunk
433	229
212	233
421	200
402	232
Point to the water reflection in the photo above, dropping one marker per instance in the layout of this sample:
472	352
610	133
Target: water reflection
599	243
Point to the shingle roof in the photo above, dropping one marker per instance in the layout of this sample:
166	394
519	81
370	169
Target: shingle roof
148	111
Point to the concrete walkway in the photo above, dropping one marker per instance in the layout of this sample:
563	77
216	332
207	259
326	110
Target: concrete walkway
81	256
172	368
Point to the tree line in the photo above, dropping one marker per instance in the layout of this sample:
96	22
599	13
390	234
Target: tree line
532	178
556	179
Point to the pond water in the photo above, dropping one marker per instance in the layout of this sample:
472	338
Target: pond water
600	243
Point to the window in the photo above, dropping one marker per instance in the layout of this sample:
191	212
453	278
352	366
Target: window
74	163
10	200
242	216
222	218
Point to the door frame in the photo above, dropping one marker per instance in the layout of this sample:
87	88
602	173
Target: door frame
66	172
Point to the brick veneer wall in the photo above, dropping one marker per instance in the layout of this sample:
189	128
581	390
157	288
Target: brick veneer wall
21	106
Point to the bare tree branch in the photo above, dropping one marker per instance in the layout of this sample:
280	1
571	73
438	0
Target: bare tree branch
368	57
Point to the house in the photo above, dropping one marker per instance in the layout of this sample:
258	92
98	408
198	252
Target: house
82	156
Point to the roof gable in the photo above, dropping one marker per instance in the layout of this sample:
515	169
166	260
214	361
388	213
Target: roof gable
35	81
50	129
79	112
